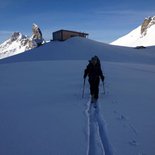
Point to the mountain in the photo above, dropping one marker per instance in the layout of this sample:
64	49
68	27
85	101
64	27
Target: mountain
19	43
86	48
42	110
144	35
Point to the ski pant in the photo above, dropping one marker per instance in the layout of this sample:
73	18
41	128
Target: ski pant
94	87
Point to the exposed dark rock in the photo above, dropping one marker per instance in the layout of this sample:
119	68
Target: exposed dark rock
140	47
148	22
37	34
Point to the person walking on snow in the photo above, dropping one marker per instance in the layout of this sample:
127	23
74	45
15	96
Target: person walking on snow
94	73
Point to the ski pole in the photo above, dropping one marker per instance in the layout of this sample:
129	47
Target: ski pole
103	88
83	88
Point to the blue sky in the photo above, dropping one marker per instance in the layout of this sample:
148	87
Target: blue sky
104	20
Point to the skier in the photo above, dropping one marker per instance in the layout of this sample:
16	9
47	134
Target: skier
94	72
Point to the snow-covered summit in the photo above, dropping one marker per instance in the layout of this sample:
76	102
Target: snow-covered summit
143	35
17	35
19	43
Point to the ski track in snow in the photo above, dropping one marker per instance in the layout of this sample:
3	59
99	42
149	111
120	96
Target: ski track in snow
98	142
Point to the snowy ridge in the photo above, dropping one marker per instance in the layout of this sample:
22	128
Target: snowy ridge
86	48
144	35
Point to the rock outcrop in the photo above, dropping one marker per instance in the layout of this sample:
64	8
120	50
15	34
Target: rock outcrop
148	22
37	35
19	43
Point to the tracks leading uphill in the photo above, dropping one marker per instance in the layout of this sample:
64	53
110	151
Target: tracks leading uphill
98	142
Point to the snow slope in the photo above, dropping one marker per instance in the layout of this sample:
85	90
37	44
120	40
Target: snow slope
137	37
81	49
42	111
134	38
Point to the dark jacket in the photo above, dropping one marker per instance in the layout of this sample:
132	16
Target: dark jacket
94	72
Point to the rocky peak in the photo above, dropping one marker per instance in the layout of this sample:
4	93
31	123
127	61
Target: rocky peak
148	22
17	36
19	43
37	34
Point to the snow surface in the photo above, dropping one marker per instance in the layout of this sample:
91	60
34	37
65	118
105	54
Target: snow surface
134	38
42	110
